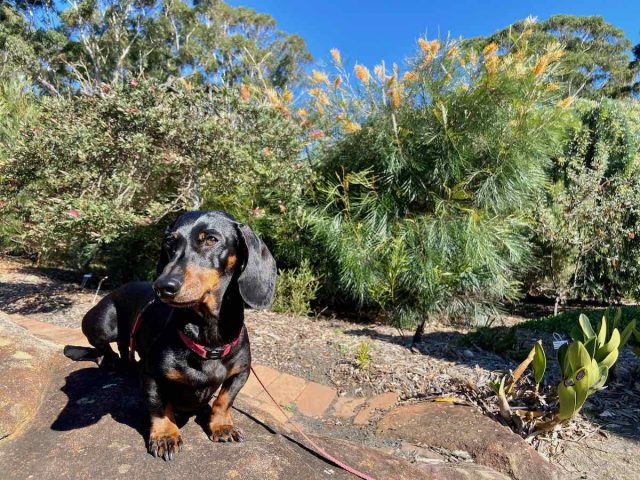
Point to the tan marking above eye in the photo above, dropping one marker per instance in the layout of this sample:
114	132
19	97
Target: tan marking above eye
231	262
202	236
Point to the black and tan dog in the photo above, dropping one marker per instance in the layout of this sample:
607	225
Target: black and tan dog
192	341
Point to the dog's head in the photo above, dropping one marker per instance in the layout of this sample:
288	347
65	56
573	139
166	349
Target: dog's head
203	252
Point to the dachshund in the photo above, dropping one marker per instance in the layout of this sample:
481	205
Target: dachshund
188	326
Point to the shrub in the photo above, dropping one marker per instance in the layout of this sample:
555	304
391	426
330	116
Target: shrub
296	288
428	180
590	218
94	175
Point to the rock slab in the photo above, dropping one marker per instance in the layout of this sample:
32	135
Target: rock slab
27	363
462	428
93	424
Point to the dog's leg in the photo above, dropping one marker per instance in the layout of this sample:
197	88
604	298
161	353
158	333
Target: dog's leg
221	427
164	437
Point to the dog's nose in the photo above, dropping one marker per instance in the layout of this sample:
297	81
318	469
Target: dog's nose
168	286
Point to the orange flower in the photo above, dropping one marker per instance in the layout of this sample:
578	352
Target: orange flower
491	63
362	73
395	96
320	77
566	102
337	81
302	112
352	127
245	94
452	52
410	76
316	134
287	95
379	71
335	53
430	48
490	49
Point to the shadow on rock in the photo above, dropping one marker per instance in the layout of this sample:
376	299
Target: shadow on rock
30	298
93	393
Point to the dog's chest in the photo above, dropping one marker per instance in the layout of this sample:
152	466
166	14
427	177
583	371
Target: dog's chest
194	373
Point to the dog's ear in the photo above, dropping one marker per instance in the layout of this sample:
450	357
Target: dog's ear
257	281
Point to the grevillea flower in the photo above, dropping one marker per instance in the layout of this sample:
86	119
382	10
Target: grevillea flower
424	45
395	96
362	73
491	63
335	53
245	94
566	102
352	127
320	77
410	76
490	49
379	71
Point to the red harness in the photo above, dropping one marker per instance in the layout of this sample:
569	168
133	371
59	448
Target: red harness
200	350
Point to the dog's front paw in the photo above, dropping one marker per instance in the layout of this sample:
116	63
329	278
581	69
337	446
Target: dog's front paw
165	444
225	433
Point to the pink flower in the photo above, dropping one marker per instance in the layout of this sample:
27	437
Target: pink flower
74	213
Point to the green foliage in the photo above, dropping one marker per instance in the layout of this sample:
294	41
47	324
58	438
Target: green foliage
596	63
295	290
87	45
363	355
564	322
92	172
500	340
539	362
589	221
604	345
427	183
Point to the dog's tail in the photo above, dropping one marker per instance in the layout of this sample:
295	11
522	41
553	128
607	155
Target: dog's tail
81	354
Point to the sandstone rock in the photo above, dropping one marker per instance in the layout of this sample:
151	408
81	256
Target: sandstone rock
455	427
92	424
27	364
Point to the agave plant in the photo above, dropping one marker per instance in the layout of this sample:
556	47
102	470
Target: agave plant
582	375
585	364
604	345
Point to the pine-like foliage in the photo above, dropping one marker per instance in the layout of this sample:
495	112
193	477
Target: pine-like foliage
430	178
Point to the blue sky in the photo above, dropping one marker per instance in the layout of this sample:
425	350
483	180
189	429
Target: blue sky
370	31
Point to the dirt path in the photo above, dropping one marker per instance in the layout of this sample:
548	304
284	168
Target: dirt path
364	360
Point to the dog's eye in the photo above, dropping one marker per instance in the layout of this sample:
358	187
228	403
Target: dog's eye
210	240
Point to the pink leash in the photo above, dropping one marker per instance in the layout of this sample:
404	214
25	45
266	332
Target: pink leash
316	448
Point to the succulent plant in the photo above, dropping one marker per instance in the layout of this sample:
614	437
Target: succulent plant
581	376
585	362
